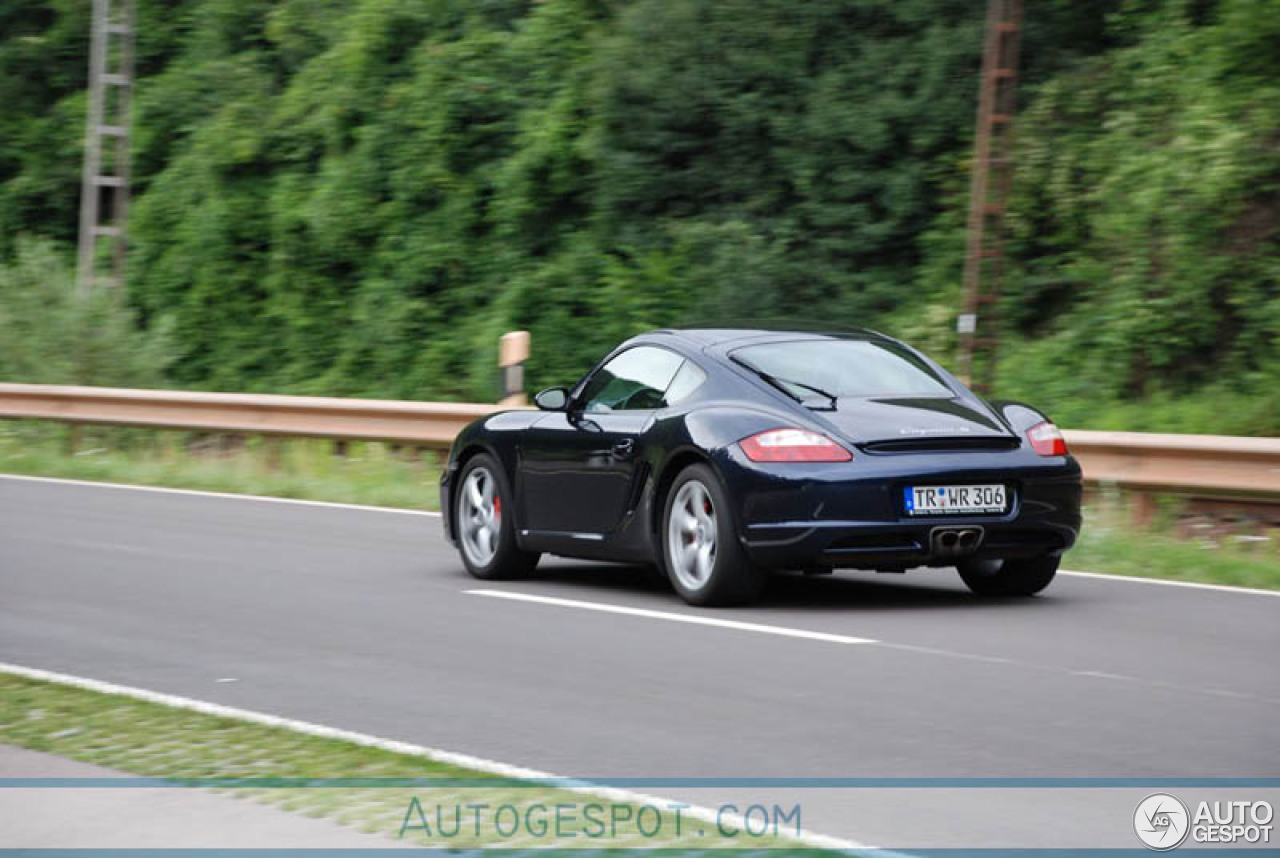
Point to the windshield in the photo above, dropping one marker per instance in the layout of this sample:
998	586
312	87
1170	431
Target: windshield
843	368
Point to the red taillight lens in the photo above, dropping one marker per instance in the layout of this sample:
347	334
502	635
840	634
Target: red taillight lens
793	445
1046	439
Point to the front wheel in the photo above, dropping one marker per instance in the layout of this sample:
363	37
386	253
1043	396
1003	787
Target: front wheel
704	560
484	523
1008	577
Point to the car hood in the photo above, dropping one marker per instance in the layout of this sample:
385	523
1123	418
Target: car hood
910	419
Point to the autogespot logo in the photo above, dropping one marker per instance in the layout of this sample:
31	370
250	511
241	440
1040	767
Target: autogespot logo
1161	822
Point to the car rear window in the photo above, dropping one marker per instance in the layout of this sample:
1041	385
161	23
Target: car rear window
843	368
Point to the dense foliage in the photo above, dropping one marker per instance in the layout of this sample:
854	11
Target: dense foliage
359	197
53	334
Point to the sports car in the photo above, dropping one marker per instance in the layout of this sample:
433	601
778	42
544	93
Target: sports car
719	456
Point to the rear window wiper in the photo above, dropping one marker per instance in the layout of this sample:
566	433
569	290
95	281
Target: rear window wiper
781	384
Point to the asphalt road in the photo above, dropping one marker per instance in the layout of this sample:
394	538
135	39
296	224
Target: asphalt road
362	620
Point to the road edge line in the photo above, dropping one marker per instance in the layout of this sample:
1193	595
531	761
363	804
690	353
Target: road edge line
225	495
1170	582
480	764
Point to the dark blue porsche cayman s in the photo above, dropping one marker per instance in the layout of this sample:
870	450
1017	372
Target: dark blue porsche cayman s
720	455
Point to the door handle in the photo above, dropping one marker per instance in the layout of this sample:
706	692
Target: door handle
625	448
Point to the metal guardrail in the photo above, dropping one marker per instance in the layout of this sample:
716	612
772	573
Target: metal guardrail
1204	465
426	424
1194	464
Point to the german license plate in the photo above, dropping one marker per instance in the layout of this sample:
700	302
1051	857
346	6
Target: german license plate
954	500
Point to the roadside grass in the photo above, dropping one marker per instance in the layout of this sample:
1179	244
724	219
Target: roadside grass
1110	543
368	473
152	740
381	475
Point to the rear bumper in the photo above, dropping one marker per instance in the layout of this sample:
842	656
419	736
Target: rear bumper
872	545
852	516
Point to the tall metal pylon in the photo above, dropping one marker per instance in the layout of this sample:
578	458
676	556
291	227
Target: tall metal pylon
104	186
989	194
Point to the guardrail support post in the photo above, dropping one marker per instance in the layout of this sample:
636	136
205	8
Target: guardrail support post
513	351
1143	506
273	453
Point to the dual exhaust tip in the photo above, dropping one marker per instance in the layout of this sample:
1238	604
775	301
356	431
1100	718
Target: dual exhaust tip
953	541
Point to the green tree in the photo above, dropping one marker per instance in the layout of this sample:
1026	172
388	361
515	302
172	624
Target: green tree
357	198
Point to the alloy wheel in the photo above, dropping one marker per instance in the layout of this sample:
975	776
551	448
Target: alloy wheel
479	516
692	530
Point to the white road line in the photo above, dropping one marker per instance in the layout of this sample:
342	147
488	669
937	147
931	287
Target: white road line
479	764
1165	582
228	495
1101	576
845	639
694	619
1173	686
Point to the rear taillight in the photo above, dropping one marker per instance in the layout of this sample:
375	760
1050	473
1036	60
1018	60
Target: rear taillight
793	445
1046	439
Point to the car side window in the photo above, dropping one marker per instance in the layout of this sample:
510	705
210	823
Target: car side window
688	379
633	381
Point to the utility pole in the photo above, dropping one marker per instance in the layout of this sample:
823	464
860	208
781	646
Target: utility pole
989	194
104	185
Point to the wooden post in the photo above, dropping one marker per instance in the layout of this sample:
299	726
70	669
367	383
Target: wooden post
107	115
990	184
513	351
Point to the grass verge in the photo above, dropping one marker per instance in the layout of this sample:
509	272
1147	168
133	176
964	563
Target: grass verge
1108	543
399	795
305	469
381	475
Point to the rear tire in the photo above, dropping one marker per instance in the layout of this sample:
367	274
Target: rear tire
1008	577
483	517
701	554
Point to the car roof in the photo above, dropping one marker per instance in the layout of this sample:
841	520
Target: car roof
704	337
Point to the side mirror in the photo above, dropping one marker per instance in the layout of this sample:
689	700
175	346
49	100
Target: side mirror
552	399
